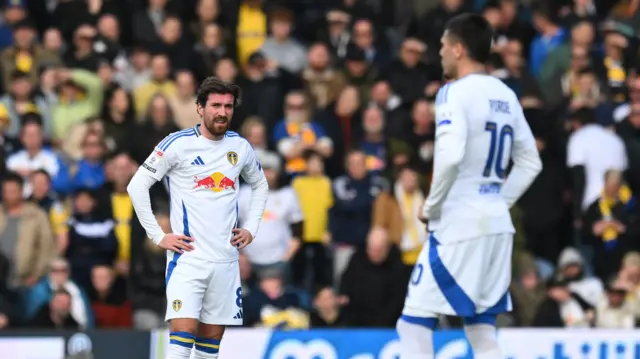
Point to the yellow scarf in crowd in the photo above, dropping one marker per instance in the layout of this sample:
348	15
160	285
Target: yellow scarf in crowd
606	204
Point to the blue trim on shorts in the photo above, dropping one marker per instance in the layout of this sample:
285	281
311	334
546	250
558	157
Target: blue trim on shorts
174	261
430	323
453	293
490	315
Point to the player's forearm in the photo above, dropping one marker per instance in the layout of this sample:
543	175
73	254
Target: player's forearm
259	193
524	172
138	190
449	153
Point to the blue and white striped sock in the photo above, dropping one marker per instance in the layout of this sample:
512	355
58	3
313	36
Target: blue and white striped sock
207	348
180	345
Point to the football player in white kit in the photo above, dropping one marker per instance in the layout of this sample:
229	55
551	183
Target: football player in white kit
202	166
464	268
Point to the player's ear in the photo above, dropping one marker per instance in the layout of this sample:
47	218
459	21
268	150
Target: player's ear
199	109
458	50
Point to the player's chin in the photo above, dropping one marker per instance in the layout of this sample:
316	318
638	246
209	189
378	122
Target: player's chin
220	128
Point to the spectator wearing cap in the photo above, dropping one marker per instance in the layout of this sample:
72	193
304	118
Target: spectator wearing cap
280	46
280	233
407	75
25	54
80	94
573	268
81	55
22	99
12	12
262	91
613	311
337	33
359	72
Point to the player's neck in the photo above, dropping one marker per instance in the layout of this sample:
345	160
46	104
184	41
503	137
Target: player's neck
208	135
469	69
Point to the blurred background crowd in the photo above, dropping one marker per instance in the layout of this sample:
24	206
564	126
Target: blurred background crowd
339	104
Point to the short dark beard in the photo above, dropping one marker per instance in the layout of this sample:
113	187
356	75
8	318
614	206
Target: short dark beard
211	126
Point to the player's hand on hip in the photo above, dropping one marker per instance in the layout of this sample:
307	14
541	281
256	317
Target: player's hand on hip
241	238
178	243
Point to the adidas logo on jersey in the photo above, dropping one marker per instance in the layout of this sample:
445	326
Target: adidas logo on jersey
198	161
238	315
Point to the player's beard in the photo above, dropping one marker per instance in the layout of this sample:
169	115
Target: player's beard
218	126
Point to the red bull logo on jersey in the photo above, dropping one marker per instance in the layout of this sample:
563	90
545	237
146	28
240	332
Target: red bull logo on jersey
217	182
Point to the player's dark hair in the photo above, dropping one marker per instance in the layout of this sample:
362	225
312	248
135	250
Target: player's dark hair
545	9
213	85
10	176
42	172
474	33
583	115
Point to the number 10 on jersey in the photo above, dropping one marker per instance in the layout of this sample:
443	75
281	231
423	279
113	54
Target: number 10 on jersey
495	160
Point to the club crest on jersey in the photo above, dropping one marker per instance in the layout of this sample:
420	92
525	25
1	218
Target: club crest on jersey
177	305
232	157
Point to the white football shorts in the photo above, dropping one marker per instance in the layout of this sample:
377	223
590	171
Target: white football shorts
463	279
209	292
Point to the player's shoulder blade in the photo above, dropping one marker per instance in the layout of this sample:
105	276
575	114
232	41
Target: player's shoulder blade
177	139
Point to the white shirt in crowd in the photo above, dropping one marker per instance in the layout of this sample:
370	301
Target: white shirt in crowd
44	160
272	240
598	150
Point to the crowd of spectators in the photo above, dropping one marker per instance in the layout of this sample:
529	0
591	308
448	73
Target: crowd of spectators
339	105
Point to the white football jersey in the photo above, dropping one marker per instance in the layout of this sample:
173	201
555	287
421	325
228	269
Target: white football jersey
202	177
485	117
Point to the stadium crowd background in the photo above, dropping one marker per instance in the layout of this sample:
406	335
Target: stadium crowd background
338	102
